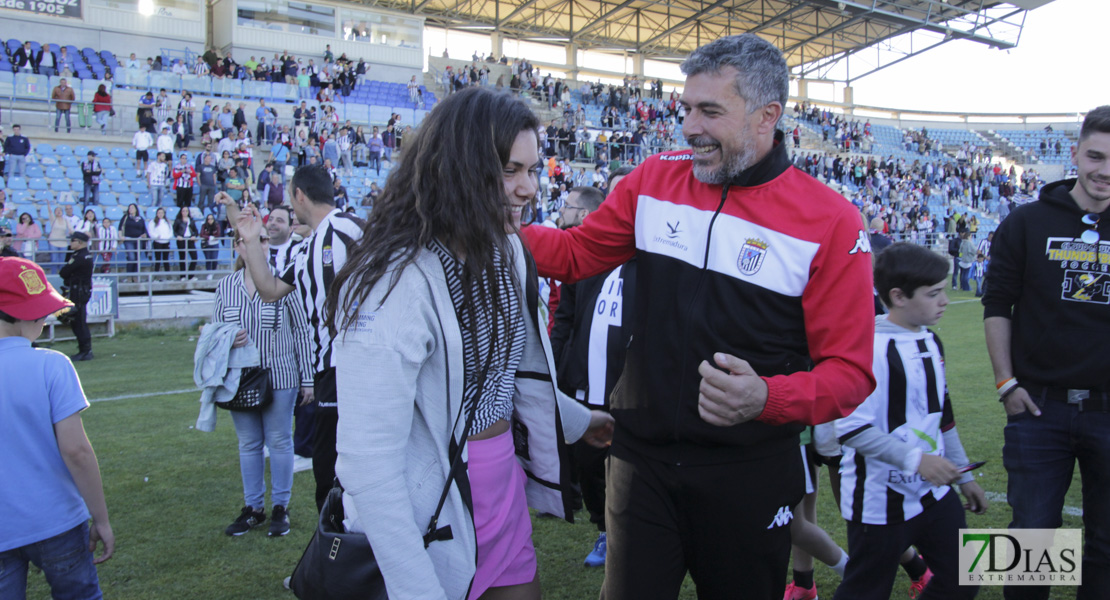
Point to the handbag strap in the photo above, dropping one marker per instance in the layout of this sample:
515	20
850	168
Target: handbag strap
439	534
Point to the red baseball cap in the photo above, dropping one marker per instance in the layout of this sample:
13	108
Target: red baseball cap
24	292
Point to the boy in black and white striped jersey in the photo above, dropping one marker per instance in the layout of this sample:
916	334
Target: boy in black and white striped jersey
901	449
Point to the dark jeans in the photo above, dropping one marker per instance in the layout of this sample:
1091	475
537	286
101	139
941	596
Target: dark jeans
58	119
131	255
91	194
376	162
184	197
724	523
65	560
323	440
207	200
965	279
874	551
210	255
187	255
161	253
1040	455
955	271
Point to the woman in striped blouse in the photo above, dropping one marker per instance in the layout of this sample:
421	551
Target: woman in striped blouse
281	333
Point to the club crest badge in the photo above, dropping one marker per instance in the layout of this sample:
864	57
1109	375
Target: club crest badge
326	256
751	258
31	280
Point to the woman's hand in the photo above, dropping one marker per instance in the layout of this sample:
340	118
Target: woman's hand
600	432
241	339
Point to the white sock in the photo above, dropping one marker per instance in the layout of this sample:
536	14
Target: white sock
839	566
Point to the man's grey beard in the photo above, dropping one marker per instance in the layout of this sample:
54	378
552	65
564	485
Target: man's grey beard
731	166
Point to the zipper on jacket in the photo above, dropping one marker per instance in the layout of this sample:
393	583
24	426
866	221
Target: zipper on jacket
697	291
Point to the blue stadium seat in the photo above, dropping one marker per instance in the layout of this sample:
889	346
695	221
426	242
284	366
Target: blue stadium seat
126	199
33	171
139	187
120	187
63	150
81	152
112	174
75	173
106	162
69	161
44	150
114	213
125	164
60	185
54	172
129	174
118	153
44	196
37	183
20	195
107	198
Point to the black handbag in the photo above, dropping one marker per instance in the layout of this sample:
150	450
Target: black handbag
256	392
338	565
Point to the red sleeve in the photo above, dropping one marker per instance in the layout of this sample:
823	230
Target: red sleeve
840	326
606	238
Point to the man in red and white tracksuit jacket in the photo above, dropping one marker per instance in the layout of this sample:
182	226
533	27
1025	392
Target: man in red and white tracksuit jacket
754	318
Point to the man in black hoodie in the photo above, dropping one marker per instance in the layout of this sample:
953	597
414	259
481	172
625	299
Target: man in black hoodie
1047	319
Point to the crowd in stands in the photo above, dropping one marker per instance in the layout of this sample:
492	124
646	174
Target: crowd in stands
922	200
603	127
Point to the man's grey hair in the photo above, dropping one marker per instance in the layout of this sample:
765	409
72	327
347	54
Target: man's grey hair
764	77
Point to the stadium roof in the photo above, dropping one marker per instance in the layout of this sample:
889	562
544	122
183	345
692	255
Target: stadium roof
815	35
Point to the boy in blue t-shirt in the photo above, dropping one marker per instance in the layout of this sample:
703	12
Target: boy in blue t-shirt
901	449
50	477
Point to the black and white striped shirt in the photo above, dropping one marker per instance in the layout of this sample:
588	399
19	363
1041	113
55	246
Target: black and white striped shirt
282	255
279	330
496	401
315	261
911	405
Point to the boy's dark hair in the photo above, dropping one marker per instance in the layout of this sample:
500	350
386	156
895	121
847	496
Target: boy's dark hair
907	266
1096	121
5	317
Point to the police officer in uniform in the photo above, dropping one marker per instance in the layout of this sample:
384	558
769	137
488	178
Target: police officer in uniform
77	276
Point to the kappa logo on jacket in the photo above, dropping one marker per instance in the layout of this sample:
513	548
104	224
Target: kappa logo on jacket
863	244
782	518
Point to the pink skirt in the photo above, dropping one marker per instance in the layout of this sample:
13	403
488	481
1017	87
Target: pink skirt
503	528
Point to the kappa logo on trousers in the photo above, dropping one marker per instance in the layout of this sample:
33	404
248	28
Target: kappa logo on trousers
783	517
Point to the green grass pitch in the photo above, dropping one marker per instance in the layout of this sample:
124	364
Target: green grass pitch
171	490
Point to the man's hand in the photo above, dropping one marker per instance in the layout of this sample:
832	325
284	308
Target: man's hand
976	497
600	432
937	470
1018	401
730	398
241	339
249	224
224	198
308	396
102	532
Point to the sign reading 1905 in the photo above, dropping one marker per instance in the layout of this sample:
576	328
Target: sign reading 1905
57	8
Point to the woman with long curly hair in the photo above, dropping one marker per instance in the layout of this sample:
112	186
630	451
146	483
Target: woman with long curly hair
438	332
